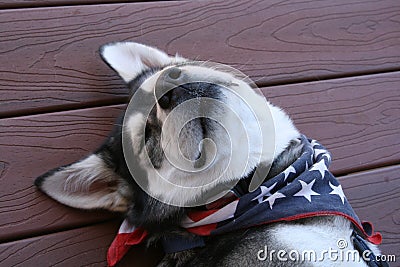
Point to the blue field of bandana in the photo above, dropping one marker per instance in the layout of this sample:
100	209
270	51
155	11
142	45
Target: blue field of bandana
304	189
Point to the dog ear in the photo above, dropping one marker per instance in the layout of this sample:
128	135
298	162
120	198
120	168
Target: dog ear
86	184
129	59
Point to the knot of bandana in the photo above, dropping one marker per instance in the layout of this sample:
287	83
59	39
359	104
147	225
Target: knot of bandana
304	189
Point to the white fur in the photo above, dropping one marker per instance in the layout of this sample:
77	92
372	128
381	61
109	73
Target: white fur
129	59
258	132
319	237
72	186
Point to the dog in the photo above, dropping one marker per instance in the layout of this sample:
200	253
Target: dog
157	143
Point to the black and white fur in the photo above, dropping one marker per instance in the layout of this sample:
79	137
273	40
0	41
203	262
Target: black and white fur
103	181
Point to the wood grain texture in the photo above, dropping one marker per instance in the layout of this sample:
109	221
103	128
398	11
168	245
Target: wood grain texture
49	3
357	118
51	63
87	246
375	196
32	145
80	247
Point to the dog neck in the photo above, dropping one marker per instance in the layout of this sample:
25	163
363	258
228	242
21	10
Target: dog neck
286	137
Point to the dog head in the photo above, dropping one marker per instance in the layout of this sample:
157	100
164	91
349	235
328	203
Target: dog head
191	131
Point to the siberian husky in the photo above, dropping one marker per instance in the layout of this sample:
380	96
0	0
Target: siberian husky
199	226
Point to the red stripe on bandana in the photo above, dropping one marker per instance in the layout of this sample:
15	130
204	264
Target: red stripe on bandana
200	215
121	244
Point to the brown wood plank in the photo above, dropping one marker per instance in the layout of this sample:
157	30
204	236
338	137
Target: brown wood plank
80	247
378	190
32	145
50	61
375	196
47	3
356	118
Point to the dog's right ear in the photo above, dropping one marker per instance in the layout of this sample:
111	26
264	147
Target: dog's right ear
129	59
87	184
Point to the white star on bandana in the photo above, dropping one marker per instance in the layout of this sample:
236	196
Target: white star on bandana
337	190
265	192
288	171
321	167
306	190
273	197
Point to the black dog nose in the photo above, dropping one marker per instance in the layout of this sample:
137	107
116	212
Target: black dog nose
171	78
173	97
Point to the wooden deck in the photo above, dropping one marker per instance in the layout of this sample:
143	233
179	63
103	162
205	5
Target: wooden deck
333	65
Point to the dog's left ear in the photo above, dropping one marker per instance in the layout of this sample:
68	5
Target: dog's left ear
129	59
87	184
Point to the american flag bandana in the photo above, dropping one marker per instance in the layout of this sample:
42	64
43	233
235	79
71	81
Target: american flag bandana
304	189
